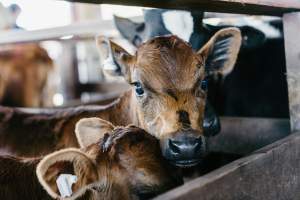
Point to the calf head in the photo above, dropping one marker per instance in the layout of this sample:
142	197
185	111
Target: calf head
125	163
169	88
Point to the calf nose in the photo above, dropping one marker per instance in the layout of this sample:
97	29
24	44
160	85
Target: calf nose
185	150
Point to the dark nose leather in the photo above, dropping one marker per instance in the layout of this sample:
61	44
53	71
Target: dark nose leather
211	122
185	149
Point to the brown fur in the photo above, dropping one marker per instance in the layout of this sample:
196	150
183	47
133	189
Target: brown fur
18	179
170	73
23	74
121	165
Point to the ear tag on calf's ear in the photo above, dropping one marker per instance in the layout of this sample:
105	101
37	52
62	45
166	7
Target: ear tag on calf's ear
109	64
64	184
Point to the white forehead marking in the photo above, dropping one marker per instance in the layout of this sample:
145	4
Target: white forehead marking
179	23
260	23
269	30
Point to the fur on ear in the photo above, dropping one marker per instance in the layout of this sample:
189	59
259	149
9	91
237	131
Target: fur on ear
70	161
91	130
116	60
221	51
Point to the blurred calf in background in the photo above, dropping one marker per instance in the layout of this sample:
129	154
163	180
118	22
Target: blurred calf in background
23	74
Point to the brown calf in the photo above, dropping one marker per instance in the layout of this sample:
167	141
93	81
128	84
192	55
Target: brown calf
125	164
167	99
23	74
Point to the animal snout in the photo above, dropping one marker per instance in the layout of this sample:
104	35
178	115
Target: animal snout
184	150
189	147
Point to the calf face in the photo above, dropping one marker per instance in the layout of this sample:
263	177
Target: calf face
169	88
124	164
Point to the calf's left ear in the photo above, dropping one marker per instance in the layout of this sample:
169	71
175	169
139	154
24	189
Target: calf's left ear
221	51
91	130
71	163
116	60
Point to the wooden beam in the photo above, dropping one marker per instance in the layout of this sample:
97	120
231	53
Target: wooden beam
291	24
270	173
241	135
88	29
261	7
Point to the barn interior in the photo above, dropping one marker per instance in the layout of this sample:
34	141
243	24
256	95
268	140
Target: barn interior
252	101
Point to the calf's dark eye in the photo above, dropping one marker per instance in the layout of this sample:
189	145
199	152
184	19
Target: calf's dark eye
204	84
139	89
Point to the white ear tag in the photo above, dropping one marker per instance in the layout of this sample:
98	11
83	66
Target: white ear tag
109	64
64	183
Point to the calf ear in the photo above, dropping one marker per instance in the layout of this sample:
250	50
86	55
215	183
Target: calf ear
130	30
91	130
221	51
67	161
116	60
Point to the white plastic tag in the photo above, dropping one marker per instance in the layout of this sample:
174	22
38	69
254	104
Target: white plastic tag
64	183
109	64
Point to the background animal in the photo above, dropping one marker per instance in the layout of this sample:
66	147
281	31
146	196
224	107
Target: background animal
24	70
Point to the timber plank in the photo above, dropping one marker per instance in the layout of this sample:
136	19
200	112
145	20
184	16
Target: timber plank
261	7
243	135
291	25
270	173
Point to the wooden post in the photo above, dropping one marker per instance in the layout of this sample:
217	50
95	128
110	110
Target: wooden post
291	22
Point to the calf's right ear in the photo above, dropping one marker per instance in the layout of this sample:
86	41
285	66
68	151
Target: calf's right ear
70	162
116	60
91	130
221	51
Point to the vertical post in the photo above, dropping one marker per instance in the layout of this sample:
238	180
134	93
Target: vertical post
68	71
291	25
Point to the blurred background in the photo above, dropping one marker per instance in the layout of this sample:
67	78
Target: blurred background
76	76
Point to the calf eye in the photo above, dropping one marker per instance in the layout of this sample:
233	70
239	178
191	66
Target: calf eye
138	89
204	84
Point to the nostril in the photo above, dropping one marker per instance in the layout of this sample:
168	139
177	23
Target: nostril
199	140
175	149
198	145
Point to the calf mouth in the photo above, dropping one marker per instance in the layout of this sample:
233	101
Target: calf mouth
185	163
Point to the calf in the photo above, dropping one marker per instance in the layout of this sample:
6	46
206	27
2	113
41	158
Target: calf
261	59
167	98
23	74
126	164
